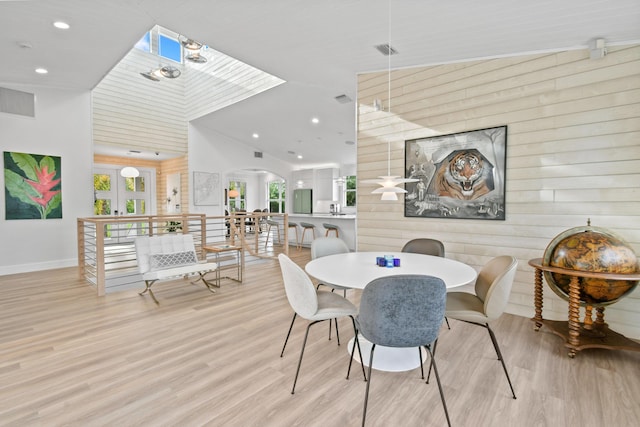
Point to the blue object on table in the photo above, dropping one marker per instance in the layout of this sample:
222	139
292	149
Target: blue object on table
396	262
389	259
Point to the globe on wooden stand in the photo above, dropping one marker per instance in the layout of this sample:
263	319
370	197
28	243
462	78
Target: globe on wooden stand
590	267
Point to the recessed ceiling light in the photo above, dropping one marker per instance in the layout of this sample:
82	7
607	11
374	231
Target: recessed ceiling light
61	25
41	70
255	136
315	120
299	156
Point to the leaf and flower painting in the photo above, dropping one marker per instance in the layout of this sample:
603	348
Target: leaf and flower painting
32	186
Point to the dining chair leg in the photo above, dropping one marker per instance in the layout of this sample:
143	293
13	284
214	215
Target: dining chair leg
337	332
288	333
318	287
304	343
356	342
421	364
500	358
447	320
366	394
435	371
435	345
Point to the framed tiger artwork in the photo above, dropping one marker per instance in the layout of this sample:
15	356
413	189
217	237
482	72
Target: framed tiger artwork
459	175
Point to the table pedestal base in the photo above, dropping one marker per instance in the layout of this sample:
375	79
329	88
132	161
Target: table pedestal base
389	359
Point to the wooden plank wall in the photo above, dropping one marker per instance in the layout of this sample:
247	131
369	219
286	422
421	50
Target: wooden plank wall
573	153
135	113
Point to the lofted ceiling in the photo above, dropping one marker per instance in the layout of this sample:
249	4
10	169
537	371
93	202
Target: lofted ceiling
317	47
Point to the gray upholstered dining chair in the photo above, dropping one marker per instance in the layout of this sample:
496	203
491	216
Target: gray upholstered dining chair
426	246
404	310
312	305
492	289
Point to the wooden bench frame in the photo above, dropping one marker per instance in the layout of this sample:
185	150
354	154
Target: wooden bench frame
168	256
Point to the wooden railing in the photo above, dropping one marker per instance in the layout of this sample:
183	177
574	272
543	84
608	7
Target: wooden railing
106	252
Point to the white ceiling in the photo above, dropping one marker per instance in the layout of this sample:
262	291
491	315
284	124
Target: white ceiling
317	47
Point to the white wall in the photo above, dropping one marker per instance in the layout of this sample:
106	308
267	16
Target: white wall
215	153
62	127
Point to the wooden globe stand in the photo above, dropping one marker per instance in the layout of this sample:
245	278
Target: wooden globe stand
580	335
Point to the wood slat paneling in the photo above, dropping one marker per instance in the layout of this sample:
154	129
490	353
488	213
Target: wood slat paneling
572	154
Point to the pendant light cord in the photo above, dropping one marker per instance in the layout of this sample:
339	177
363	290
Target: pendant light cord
389	82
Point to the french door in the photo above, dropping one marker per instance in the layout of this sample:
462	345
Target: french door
115	195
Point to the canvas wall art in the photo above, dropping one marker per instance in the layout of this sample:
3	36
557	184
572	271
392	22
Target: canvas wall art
206	189
32	186
461	175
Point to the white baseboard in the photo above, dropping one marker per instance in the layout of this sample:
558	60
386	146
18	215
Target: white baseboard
37	266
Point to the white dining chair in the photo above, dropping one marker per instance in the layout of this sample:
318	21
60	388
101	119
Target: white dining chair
313	305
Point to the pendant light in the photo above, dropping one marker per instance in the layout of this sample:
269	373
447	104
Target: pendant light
388	182
129	172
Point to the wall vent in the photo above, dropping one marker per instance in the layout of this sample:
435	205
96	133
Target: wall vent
386	49
343	99
257	154
17	102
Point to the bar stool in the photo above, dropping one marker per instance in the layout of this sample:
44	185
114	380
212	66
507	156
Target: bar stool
307	226
295	226
271	223
331	227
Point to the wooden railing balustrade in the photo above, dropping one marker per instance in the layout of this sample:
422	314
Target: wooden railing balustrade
106	253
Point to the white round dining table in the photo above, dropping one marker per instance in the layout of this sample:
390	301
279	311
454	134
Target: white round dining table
356	269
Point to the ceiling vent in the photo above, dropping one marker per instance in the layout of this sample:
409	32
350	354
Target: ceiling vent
17	102
386	49
343	99
257	154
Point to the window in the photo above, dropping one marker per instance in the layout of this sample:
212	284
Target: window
240	201
135	191
169	48
350	191
277	190
101	206
145	42
163	45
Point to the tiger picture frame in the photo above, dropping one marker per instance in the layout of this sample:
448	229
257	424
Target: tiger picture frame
459	175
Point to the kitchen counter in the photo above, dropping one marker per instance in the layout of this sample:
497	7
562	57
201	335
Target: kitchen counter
346	227
324	215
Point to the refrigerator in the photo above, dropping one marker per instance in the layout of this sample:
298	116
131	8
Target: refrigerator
302	201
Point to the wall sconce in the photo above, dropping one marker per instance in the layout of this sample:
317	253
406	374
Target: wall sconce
130	172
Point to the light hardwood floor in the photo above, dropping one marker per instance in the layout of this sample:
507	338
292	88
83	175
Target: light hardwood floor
68	357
